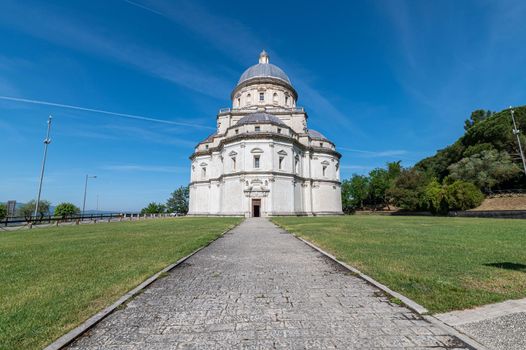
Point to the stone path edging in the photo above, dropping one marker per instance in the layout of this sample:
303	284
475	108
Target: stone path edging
483	313
414	306
69	337
462	336
419	309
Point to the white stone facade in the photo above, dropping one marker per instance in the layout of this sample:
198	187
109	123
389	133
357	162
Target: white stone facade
263	160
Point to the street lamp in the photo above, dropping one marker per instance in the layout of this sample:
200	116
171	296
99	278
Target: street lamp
516	132
47	141
86	191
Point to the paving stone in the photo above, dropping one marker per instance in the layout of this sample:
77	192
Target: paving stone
260	288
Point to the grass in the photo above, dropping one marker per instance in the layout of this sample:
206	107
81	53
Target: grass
442	263
54	278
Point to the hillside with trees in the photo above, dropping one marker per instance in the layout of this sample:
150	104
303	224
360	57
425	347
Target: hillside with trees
485	159
487	154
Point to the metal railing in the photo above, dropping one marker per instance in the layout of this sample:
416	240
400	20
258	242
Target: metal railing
51	219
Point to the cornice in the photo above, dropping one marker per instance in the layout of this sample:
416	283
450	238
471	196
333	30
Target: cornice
264	135
292	176
264	80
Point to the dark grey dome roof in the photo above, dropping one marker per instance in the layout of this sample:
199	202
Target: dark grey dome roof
316	135
260	117
264	70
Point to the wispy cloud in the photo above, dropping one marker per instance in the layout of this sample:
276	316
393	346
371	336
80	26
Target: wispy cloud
227	35
145	168
374	154
238	42
100	111
95	40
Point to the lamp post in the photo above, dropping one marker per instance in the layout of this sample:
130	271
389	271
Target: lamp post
86	191
516	132
47	141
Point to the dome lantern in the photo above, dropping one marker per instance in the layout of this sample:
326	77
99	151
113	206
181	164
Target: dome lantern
263	57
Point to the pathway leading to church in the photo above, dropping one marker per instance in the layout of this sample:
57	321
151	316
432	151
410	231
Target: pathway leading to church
258	287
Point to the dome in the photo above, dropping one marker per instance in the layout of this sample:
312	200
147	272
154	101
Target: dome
264	69
260	117
316	135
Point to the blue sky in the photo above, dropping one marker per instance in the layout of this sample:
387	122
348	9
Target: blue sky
385	80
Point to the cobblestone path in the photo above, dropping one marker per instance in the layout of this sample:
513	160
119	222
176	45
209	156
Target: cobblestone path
258	287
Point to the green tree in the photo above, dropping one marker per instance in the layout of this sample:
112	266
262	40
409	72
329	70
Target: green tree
154	208
354	193
486	169
178	201
3	211
66	209
435	198
27	210
407	190
485	132
476	117
379	183
462	195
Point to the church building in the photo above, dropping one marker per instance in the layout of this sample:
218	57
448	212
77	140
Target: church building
263	160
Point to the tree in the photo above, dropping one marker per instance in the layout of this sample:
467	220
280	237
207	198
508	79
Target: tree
462	195
178	201
379	183
435	198
407	190
476	117
66	209
153	208
27	210
486	169
354	193
3	211
485	131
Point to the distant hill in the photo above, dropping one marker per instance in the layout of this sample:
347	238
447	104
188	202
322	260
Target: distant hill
484	131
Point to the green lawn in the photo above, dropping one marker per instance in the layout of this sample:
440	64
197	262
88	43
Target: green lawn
52	279
442	263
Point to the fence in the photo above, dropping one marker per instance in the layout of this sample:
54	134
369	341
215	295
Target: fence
76	219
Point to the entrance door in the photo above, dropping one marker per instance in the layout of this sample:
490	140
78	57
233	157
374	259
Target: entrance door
256	208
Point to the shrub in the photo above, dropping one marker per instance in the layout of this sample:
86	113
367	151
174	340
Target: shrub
435	199
462	195
66	209
3	211
154	208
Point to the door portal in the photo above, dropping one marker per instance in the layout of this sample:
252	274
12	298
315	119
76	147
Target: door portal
256	208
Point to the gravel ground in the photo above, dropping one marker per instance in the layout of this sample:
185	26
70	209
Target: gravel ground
499	333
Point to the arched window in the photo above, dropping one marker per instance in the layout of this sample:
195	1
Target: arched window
296	164
275	98
286	100
249	98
